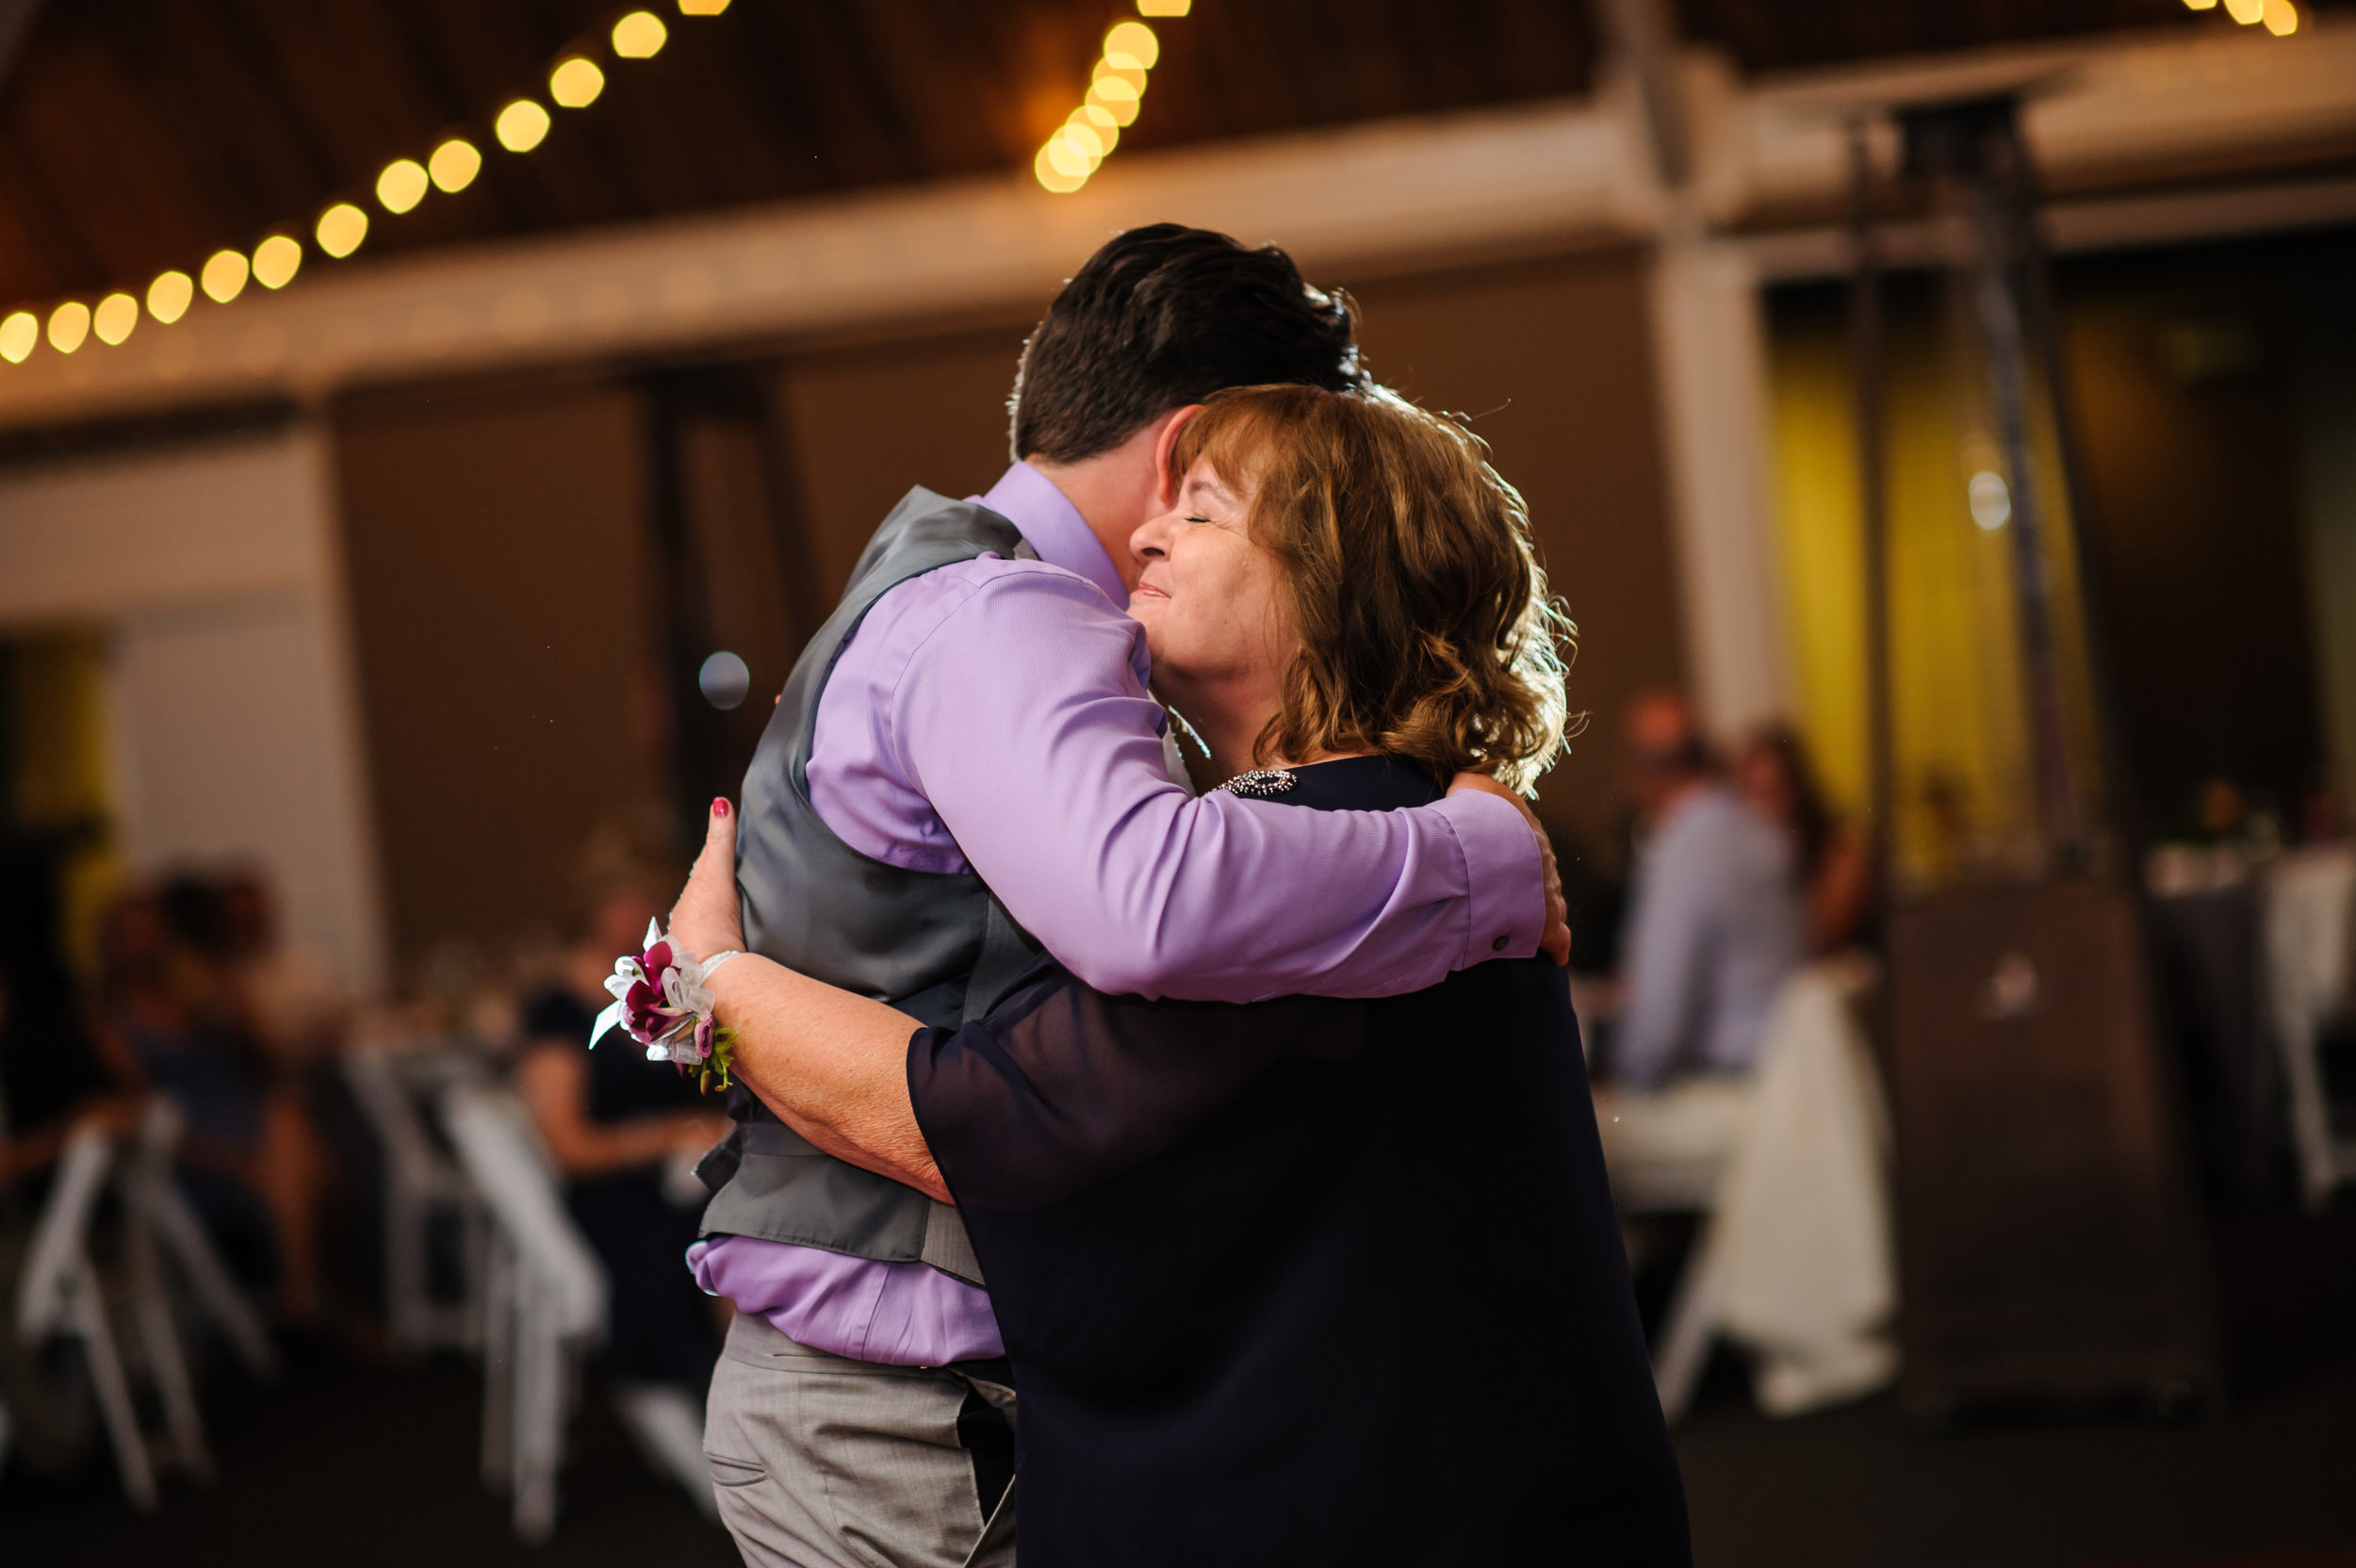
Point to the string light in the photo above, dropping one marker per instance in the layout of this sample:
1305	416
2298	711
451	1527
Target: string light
223	276
68	325
169	295
1116	91
640	36
116	315
401	185
276	260
575	82
454	164
341	230
523	125
1163	8
2279	16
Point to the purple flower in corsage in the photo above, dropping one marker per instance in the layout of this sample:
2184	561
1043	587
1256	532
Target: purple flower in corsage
660	997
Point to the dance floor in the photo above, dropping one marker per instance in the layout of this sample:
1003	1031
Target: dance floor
364	1465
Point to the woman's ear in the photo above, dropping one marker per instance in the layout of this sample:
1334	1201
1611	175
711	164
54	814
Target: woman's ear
1166	483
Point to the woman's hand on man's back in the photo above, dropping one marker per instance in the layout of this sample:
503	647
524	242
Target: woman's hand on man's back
1555	943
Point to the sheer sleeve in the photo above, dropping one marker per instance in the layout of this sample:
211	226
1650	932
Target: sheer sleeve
1061	1086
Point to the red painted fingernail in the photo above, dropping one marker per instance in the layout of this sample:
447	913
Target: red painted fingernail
720	806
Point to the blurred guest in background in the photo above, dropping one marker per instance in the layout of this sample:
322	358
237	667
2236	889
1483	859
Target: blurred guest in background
50	1077
1715	922
293	1002
1774	777
173	1019
622	1133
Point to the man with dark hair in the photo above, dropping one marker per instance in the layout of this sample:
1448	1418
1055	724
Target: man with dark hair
966	766
1127	337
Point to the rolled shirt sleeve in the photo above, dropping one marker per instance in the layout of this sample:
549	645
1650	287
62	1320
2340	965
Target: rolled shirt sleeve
1024	718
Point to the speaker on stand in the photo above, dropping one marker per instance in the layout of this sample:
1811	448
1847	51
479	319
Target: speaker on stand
2049	1250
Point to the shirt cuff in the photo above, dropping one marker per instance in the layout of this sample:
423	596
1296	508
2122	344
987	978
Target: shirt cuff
1505	880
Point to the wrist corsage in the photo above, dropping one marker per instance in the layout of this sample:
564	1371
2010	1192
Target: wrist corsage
660	997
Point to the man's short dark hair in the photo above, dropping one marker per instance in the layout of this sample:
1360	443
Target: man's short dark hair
1163	317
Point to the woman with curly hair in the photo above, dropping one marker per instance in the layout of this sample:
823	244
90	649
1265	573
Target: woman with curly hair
1303	1282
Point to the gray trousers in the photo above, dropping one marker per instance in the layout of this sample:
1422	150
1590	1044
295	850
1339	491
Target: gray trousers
820	1462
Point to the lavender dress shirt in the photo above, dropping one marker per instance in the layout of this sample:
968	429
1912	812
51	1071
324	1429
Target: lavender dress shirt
993	716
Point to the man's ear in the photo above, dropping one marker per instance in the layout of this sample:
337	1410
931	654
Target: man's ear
1164	483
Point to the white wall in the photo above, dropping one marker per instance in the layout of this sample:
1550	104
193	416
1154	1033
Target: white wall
234	719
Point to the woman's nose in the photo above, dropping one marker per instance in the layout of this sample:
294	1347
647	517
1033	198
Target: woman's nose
1145	544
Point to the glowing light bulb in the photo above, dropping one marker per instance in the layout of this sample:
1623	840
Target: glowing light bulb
640	36
116	315
702	8
224	276
1109	70
1991	500
1116	98
521	125
276	260
1069	158
1086	138
340	229
401	185
575	83
1134	39
169	296
2247	12
2199	5
1163	8
2281	17
68	325
1053	177
18	335
454	164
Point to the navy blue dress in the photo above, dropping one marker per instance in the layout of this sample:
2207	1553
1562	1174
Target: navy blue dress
659	1324
1308	1281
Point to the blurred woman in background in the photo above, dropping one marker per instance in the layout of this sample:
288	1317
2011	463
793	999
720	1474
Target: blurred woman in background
1835	871
172	1019
623	1134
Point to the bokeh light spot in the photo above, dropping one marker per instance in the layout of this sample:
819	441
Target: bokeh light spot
341	228
401	185
454	165
724	679
276	260
640	36
575	83
169	295
68	325
116	315
224	276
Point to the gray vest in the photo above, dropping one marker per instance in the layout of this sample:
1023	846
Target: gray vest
938	946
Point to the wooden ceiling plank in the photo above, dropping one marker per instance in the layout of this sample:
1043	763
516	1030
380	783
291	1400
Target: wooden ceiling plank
52	259
92	132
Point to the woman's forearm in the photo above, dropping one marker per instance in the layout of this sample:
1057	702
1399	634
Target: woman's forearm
833	1065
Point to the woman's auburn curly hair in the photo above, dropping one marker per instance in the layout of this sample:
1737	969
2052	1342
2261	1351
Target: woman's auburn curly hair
1425	630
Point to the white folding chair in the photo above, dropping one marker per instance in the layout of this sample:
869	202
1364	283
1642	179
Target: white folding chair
545	1301
421	1185
1794	1255
59	1294
2309	922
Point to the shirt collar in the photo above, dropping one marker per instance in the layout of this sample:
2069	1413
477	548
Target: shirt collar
1029	500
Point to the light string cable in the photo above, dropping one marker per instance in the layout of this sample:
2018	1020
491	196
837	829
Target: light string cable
1086	138
575	81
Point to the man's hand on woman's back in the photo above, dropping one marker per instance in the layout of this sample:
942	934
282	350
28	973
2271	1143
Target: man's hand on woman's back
1556	943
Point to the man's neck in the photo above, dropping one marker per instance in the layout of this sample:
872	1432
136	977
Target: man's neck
1114	492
